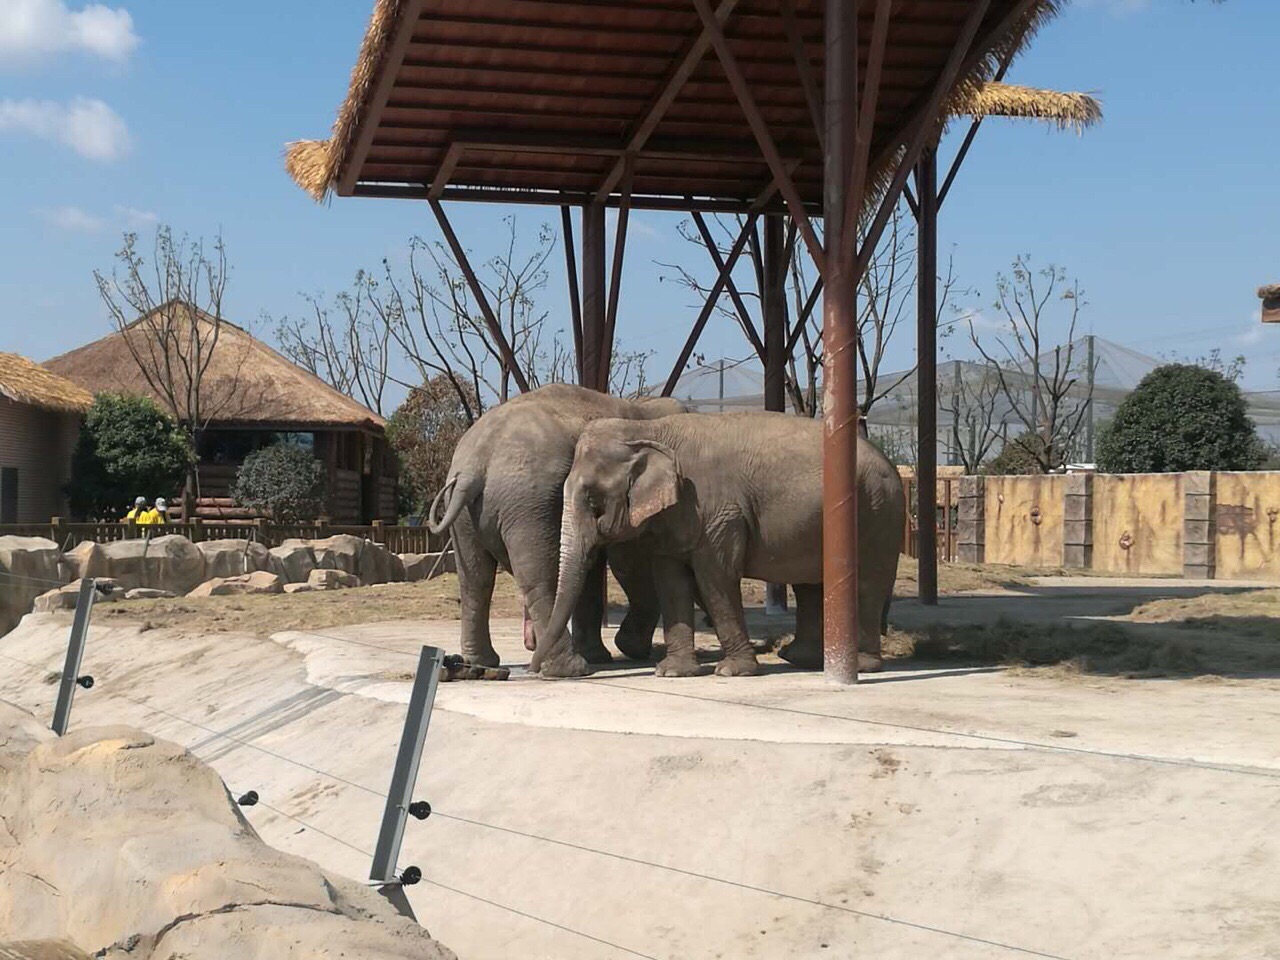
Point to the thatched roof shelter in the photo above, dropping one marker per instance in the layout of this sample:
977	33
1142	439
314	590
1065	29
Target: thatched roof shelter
531	102
25	381
246	383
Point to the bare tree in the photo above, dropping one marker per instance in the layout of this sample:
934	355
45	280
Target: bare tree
343	343
1038	384
886	298
971	400
1232	369
169	314
426	309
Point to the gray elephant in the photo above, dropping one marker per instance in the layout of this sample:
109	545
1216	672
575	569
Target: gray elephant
718	498
502	501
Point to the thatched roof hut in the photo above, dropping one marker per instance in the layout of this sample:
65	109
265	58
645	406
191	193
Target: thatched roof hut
25	381
246	383
1270	297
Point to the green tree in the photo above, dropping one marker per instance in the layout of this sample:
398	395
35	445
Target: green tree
423	432
128	447
1023	455
284	481
1181	417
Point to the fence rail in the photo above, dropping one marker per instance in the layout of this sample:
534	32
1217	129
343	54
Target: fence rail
66	534
947	520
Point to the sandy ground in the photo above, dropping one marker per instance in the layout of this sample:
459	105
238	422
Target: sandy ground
945	808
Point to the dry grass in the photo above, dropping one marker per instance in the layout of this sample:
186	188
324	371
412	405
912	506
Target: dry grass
271	613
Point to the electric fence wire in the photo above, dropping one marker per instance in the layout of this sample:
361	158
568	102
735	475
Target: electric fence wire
583	848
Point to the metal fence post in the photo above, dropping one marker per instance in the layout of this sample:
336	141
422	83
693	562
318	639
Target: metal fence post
400	796
75	653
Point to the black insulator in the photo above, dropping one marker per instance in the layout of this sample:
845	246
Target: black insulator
410	876
420	809
85	681
248	799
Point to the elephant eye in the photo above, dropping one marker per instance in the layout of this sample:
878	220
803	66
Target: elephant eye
593	504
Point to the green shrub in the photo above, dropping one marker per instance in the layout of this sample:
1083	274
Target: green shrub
1181	417
128	447
283	481
1016	457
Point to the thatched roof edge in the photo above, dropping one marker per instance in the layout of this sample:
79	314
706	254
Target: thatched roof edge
1068	111
1270	291
25	381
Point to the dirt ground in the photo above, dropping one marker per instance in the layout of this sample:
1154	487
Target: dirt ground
437	600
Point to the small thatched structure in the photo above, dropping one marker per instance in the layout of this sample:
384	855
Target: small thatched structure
25	381
39	422
250	396
1270	297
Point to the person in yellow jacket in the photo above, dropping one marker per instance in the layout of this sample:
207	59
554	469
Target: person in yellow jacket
156	515
139	508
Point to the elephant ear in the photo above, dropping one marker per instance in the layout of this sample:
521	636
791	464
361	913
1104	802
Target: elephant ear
655	481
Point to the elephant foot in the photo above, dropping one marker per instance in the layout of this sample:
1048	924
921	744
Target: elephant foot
869	663
741	665
632	646
677	666
564	666
482	658
596	653
806	655
530	640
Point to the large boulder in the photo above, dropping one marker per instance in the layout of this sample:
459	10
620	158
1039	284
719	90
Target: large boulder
29	566
331	580
85	559
130	848
66	597
231	558
371	562
293	561
418	566
260	581
170	563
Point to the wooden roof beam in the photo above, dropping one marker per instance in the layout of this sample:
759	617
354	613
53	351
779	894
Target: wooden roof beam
680	73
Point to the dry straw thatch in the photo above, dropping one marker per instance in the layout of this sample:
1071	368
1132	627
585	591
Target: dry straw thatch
1068	111
316	165
244	383
24	381
1270	291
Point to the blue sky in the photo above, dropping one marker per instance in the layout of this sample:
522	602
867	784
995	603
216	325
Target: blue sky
134	112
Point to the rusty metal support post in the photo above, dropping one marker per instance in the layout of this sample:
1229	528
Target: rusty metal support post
774	297
593	293
840	355
927	375
575	298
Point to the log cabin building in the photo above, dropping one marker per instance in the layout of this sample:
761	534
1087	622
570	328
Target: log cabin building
250	397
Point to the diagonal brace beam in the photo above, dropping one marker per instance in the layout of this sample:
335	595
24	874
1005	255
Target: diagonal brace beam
760	130
744	315
477	291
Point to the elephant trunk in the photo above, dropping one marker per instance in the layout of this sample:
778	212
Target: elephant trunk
575	556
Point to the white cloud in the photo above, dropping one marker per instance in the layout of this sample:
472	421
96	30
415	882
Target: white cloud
89	127
136	218
74	220
31	29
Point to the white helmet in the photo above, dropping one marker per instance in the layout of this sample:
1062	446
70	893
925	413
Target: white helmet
140	502
160	504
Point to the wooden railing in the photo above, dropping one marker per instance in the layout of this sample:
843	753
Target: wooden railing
946	522
67	534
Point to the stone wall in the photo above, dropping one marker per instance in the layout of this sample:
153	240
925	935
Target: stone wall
1199	525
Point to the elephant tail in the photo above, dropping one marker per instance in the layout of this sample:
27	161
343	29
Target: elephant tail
453	497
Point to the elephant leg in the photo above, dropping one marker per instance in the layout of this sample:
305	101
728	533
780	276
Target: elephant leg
534	560
530	639
633	570
675	587
722	590
476	571
588	615
872	613
805	650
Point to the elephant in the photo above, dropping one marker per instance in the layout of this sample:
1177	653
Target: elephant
502	501
719	497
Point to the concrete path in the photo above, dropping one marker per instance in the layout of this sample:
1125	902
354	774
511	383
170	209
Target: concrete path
924	813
